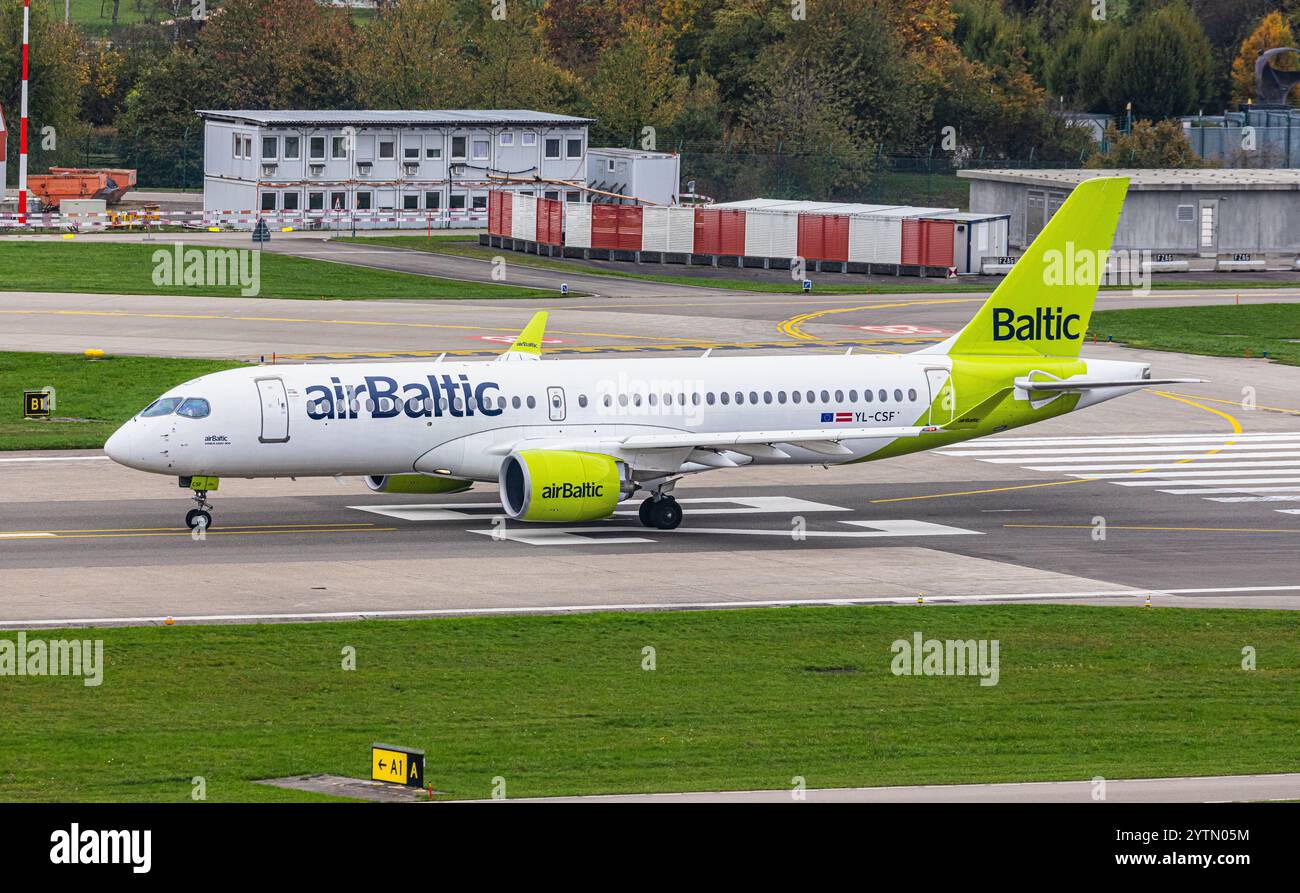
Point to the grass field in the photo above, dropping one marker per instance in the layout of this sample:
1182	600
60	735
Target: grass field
1227	331
127	268
738	700
99	394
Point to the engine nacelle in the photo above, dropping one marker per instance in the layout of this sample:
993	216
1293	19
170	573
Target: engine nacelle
415	483
559	485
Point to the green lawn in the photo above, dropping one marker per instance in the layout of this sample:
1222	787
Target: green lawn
98	394
1225	331
739	700
129	268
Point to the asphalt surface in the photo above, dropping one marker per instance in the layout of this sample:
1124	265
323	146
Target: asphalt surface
1206	789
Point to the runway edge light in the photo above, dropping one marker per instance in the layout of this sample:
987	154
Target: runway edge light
397	765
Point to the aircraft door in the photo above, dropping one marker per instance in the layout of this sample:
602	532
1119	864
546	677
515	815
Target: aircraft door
943	396
555	403
275	410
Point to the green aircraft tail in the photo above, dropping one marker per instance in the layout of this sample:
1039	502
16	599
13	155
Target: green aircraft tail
1043	306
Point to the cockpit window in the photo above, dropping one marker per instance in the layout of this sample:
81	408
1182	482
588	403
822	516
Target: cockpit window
194	408
165	406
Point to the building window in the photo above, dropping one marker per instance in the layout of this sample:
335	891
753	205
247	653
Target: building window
481	149
507	138
479	203
609	165
411	153
575	147
387	149
458	147
433	153
529	138
292	148
317	148
572	197
553	147
338	201
270	148
363	201
432	201
268	201
411	201
315	201
458	201
338	147
553	194
291	200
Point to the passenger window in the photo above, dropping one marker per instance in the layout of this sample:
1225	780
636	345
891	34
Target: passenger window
609	400
515	402
582	400
695	399
826	397
812	396
709	399
740	397
725	398
853	395
753	397
652	398
839	396
911	394
795	396
165	406
780	396
194	408
883	395
898	395
532	402
866	395
767	396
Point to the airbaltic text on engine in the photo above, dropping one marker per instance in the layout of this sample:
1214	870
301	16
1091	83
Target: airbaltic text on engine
585	490
388	399
1047	324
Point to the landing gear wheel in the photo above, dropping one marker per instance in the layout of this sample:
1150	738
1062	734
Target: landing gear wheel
665	514
644	513
198	518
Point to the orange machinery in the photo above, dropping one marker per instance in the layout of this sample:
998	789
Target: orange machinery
76	182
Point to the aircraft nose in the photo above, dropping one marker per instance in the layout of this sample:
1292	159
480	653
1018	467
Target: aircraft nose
118	447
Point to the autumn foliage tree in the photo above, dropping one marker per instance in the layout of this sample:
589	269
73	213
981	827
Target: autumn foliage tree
1272	31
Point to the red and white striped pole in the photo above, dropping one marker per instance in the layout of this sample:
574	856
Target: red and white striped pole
22	127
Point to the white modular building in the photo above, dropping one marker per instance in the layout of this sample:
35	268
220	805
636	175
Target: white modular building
386	168
648	177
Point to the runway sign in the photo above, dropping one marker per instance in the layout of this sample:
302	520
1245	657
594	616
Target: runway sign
36	404
399	765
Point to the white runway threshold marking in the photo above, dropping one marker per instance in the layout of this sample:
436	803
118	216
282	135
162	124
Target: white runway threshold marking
635	606
1215	464
740	505
578	536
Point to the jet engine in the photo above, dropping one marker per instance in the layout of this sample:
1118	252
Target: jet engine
560	485
415	483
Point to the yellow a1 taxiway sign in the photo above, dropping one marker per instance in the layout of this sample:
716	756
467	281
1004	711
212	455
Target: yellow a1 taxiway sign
399	765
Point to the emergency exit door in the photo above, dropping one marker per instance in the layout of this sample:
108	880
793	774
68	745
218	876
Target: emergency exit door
555	403
275	410
943	396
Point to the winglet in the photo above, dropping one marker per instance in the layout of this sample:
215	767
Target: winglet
528	346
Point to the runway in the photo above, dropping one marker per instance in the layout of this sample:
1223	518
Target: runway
1183	510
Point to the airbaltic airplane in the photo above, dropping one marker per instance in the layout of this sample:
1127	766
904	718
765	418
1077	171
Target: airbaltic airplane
567	441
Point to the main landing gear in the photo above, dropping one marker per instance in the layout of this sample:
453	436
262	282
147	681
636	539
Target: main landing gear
661	512
200	517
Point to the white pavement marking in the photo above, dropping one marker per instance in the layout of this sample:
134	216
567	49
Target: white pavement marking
1246	463
579	536
722	505
22	536
643	606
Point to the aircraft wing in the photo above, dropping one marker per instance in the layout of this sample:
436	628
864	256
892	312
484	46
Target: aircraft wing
818	440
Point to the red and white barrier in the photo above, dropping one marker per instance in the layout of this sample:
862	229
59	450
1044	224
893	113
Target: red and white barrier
444	219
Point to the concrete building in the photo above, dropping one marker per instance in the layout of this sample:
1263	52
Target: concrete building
1189	219
387	167
652	177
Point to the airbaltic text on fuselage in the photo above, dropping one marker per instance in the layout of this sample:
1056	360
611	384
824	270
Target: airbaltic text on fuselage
382	397
1047	324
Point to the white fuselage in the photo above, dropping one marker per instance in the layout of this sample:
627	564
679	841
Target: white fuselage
459	419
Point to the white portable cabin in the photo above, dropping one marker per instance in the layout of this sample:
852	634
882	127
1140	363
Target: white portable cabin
977	237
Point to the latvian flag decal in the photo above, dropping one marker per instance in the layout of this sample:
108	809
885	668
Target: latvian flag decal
836	417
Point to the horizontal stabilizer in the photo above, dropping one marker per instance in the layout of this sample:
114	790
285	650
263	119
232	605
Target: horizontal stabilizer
1084	384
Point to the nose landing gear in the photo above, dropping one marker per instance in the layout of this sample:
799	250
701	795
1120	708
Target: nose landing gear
661	512
201	517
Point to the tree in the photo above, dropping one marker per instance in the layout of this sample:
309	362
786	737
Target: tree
1149	145
1155	65
635	84
56	76
1272	31
412	57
